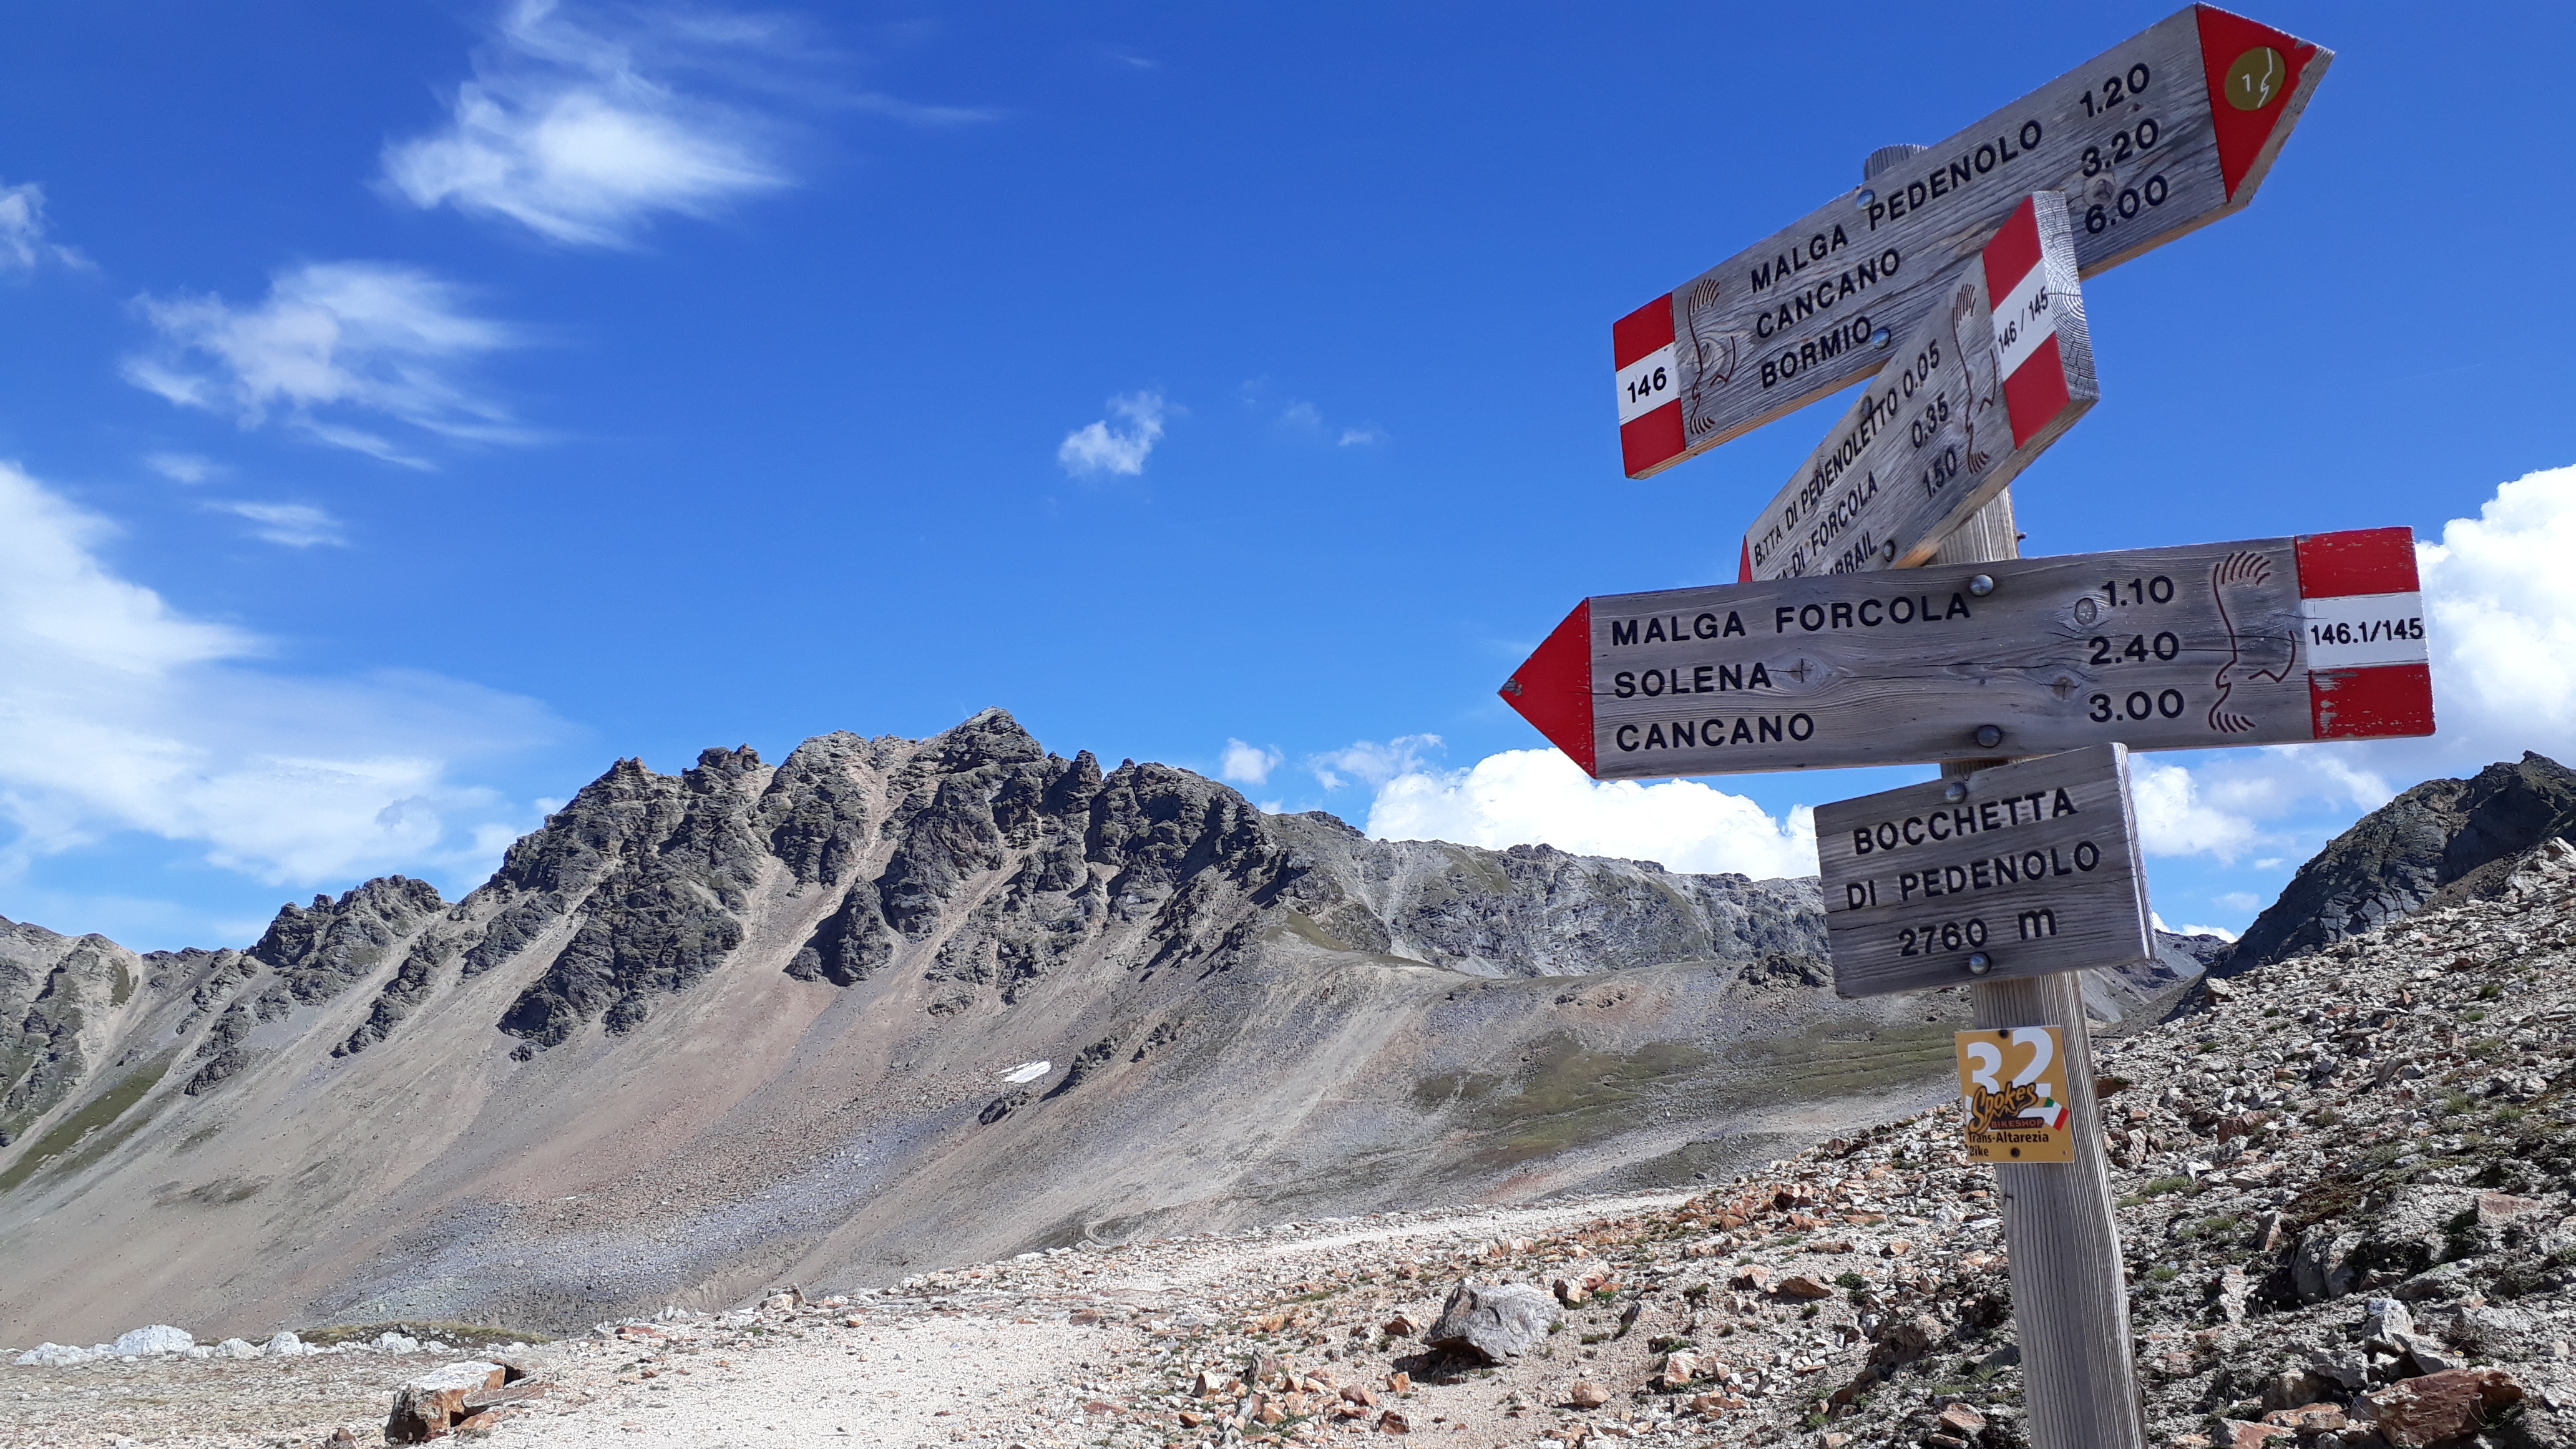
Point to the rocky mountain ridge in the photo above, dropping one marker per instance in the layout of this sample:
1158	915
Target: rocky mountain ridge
707	1028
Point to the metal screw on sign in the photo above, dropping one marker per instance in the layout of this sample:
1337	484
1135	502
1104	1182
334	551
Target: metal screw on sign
1989	736
1979	963
1956	792
1981	585
1881	338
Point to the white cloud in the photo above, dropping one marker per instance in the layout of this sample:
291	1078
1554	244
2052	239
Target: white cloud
1361	437
1371	762
1102	447
2221	932
1523	797
296	525
574	129
332	338
2243	901
1247	764
2500	621
118	713
2173	819
23	247
184	467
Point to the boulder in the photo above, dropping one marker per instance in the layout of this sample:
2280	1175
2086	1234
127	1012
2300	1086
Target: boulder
2321	1268
1680	1367
1585	1394
433	1405
159	1338
1496	1322
55	1355
237	1348
1963	1420
285	1345
2417	1412
1804	1285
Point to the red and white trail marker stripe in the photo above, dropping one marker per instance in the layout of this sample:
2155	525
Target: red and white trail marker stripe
2363	615
1650	405
2027	293
1969	398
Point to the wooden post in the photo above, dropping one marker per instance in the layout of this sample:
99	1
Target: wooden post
2070	1300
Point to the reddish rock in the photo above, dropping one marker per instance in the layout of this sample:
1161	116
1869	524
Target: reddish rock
1680	1367
429	1407
2241	1435
1804	1286
1400	1327
2417	1412
1585	1394
2498	1208
1392	1422
1754	1279
1961	1419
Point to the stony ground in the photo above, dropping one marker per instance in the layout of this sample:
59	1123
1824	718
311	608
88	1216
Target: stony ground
2344	1195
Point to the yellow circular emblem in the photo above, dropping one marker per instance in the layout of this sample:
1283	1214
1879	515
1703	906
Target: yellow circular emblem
2256	79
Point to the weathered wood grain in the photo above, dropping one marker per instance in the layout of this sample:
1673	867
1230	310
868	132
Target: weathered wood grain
2203	647
2032	867
2070	1300
1929	440
2070	1296
1798	314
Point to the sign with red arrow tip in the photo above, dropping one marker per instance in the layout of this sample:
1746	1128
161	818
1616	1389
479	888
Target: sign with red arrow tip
2163	133
2263	642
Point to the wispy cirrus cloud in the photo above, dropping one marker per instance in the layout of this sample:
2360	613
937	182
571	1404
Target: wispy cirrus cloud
1122	447
578	125
294	525
335	349
23	244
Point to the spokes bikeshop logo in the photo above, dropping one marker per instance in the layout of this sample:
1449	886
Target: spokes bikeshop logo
2008	1088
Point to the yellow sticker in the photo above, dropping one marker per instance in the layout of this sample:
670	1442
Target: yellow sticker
2255	78
2012	1084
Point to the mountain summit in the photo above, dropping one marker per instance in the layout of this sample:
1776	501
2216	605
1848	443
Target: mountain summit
888	1004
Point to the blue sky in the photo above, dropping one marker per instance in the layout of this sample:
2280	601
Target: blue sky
410	408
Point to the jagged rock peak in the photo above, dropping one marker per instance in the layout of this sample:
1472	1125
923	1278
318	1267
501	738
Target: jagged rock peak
2443	838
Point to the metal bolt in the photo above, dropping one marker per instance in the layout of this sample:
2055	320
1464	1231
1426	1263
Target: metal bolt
1863	197
1979	963
1881	338
1958	791
1988	736
1981	585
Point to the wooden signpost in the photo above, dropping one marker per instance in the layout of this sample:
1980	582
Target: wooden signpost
1976	391
2269	641
1949	275
2165	132
2010	871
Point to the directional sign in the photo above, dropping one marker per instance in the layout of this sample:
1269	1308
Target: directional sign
2266	642
1978	389
2017	870
2165	132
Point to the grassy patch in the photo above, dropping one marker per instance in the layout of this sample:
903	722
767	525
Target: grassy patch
2162	1185
102	1110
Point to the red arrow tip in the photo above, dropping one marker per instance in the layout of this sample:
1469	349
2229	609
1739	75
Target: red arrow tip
1553	687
